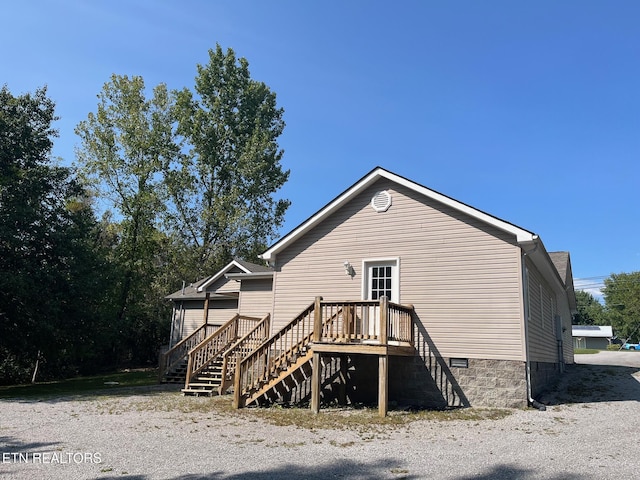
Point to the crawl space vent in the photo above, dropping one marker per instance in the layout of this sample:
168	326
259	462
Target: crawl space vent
381	201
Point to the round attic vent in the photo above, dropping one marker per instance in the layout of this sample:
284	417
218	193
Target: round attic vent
381	201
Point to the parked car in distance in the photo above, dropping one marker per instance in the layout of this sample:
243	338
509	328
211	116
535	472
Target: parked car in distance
631	346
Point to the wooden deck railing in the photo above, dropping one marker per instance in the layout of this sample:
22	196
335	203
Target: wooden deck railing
174	356
366	321
239	350
203	354
349	322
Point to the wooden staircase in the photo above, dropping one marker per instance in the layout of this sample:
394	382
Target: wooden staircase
176	374
210	364
290	378
207	381
292	365
280	365
173	363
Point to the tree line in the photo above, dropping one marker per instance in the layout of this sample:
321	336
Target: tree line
167	186
621	308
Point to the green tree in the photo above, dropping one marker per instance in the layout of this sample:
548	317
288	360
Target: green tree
50	267
222	190
124	147
590	310
622	296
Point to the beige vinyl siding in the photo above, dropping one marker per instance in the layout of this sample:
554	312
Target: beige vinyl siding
462	276
191	316
541	327
221	311
256	297
224	285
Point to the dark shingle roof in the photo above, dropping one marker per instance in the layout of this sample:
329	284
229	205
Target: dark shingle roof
191	292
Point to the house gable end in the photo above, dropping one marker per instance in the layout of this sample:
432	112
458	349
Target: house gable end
376	174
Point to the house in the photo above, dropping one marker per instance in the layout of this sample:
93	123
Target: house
394	292
591	336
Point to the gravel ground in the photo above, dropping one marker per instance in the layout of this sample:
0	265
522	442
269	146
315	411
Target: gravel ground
589	431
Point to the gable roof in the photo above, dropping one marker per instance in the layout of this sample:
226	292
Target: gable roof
189	292
522	235
243	266
562	262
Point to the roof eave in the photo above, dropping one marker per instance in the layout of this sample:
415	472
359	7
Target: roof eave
522	235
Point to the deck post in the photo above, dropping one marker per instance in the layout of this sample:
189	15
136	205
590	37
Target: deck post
383	360
236	384
383	386
206	311
342	387
317	320
315	383
384	316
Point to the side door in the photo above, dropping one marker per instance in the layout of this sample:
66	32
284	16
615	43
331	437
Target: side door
381	279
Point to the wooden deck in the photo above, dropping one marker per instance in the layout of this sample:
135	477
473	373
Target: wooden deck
327	329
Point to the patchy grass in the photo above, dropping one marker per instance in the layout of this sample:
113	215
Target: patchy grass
329	418
99	384
585	351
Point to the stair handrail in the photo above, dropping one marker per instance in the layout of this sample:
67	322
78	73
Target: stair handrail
243	347
256	363
291	339
176	354
203	354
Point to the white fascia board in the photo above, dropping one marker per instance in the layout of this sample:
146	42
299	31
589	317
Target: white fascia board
301	229
522	235
540	258
224	270
240	276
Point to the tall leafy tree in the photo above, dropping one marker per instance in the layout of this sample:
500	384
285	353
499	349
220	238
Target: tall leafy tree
49	264
124	146
622	296
222	190
590	310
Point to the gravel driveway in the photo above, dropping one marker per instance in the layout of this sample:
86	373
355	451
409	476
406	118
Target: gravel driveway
589	431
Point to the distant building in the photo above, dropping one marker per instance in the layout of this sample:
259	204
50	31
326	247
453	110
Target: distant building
591	336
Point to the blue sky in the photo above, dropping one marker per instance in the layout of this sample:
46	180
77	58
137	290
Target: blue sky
529	111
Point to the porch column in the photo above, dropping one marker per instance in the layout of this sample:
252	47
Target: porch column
384	317
317	319
206	310
315	383
383	386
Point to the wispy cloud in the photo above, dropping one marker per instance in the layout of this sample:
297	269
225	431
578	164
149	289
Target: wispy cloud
590	285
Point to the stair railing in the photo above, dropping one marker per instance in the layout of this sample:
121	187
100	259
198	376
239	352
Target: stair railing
379	321
256	367
178	353
279	351
203	354
239	350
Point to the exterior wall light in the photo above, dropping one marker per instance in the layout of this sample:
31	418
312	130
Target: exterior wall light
348	269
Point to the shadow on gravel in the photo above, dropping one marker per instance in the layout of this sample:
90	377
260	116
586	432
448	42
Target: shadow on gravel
354	470
12	445
509	472
342	469
583	383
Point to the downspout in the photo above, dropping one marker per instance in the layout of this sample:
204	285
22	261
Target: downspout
525	283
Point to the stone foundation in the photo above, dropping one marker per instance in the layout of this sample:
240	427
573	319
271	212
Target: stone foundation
486	383
436	382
